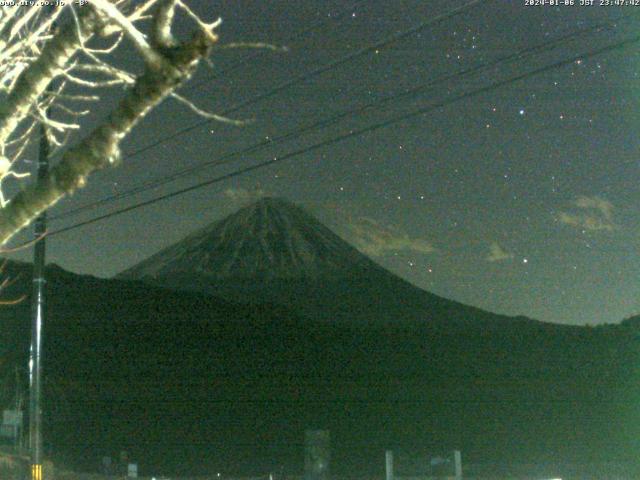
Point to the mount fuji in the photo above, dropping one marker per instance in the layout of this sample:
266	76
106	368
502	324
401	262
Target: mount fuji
220	351
270	239
275	252
363	339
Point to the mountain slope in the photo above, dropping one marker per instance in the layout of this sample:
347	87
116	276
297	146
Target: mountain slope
190	384
273	251
271	239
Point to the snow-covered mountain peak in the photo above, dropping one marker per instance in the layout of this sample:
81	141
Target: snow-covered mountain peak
271	238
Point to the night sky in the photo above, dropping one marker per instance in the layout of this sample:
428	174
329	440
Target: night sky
521	199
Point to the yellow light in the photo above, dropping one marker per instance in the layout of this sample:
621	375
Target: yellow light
36	472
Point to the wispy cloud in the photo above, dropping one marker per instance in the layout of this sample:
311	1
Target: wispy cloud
242	196
595	214
497	253
375	239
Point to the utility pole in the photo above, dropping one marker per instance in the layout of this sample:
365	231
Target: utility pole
37	318
457	460
37	308
388	456
19	440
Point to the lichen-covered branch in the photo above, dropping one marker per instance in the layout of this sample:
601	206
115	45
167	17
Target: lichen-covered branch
101	147
34	80
40	45
39	54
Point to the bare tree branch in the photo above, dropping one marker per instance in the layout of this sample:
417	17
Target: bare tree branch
34	80
33	55
205	114
101	148
139	41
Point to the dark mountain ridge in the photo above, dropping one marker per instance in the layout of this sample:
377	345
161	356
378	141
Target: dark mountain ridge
274	251
270	239
190	383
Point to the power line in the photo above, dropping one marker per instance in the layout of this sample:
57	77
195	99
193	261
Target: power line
315	72
302	33
420	89
385	123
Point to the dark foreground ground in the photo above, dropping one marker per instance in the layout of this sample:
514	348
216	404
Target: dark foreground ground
14	467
